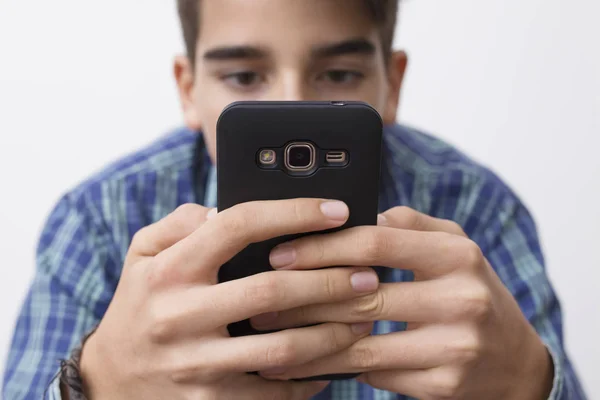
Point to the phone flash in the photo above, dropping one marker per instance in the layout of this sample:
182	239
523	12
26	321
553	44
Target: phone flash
267	157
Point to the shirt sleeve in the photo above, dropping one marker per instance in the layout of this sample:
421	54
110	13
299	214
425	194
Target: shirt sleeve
510	242
52	392
74	281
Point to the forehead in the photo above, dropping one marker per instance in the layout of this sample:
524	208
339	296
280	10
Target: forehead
290	24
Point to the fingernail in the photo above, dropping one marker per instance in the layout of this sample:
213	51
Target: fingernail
211	214
382	220
264	319
273	371
335	210
361	328
282	256
364	282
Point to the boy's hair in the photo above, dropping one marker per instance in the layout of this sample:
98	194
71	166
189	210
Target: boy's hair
383	12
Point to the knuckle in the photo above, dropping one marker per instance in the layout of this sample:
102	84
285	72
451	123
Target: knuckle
400	211
297	211
183	370
403	210
374	244
161	328
318	251
447	385
282	353
471	254
186	218
409	217
265	291
363	357
160	331
180	376
181	367
329	286
469	348
476	302
236	222
369	307
332	341
190	210
454	227
183	373
139	237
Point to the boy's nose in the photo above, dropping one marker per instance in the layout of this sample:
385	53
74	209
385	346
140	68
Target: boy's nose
290	87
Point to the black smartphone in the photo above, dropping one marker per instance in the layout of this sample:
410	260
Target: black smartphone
284	150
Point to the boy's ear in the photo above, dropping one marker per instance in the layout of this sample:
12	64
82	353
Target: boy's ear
396	71
184	76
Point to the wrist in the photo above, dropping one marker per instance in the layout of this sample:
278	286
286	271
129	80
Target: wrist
92	370
539	373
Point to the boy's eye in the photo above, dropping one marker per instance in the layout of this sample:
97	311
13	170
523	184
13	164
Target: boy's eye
242	79
341	76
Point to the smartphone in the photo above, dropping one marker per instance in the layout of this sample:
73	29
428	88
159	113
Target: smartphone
285	150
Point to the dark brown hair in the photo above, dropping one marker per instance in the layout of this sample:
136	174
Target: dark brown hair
384	13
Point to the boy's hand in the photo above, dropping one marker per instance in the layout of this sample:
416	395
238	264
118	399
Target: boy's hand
164	334
466	337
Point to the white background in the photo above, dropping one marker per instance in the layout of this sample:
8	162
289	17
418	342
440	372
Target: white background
514	83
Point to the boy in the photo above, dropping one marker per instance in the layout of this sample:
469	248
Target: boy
125	291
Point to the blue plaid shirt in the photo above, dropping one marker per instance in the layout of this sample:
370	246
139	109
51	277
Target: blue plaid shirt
86	237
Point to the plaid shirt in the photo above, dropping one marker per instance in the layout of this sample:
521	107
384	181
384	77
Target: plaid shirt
86	237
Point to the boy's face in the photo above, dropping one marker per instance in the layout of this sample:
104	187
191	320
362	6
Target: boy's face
285	50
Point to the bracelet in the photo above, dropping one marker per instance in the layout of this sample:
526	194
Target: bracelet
70	373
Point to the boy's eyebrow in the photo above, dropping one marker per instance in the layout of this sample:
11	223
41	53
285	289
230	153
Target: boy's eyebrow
351	46
234	53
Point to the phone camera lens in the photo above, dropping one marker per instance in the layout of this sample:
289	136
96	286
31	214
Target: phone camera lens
300	156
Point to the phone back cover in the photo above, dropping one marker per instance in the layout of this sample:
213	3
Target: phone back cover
244	128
